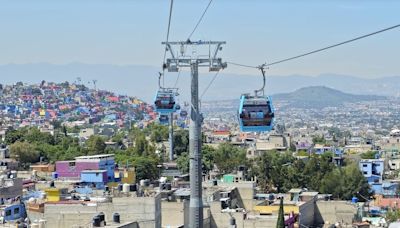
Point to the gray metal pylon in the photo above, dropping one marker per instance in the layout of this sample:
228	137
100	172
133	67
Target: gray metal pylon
213	63
171	137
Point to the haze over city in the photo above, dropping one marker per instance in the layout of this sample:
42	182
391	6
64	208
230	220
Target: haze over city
199	114
129	34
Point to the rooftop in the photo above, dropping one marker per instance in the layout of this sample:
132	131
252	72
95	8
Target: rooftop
98	156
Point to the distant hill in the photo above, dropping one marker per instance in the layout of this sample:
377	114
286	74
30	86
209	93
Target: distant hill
142	81
321	96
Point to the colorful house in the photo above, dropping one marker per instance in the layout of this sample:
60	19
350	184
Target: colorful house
97	178
74	168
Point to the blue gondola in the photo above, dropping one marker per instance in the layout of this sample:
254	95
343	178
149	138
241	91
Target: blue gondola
183	113
256	113
163	119
165	101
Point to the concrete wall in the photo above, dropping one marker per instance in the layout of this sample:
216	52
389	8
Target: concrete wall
245	189
307	213
11	188
172	213
145	210
329	212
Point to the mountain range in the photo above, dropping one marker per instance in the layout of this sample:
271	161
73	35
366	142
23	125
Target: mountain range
142	81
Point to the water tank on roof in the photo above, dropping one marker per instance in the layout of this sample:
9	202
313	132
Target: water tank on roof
168	186
125	188
116	218
132	188
42	223
96	221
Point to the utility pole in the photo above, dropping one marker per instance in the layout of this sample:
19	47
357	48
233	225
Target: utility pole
194	61
171	137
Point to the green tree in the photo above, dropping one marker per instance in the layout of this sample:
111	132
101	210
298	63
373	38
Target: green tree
319	140
281	216
95	145
182	162
146	168
25	153
228	157
14	135
158	133
181	142
369	155
142	146
207	161
393	215
34	135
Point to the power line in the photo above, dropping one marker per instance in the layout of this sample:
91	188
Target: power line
201	18
321	49
209	84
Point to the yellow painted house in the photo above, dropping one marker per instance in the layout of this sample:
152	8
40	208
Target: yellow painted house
53	194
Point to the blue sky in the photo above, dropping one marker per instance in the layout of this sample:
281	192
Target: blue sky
129	32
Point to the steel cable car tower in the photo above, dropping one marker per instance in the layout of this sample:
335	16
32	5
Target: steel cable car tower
194	61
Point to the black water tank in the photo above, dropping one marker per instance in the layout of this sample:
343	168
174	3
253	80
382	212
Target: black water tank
101	216
232	221
106	188
116	218
120	187
96	221
168	186
215	182
132	188
52	185
21	225
162	187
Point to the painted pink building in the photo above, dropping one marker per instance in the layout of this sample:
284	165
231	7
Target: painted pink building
74	168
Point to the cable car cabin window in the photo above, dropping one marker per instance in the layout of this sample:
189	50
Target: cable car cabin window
165	101
16	211
8	212
256	115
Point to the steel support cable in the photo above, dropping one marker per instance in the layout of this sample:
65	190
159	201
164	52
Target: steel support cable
167	38
319	50
209	84
201	18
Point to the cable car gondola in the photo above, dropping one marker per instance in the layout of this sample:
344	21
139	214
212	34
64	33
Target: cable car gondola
163	119
256	113
183	113
165	100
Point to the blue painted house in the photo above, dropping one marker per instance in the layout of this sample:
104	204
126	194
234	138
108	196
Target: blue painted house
95	178
12	212
372	169
387	189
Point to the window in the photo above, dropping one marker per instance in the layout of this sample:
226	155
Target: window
71	163
97	174
365	173
8	212
365	165
16	211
